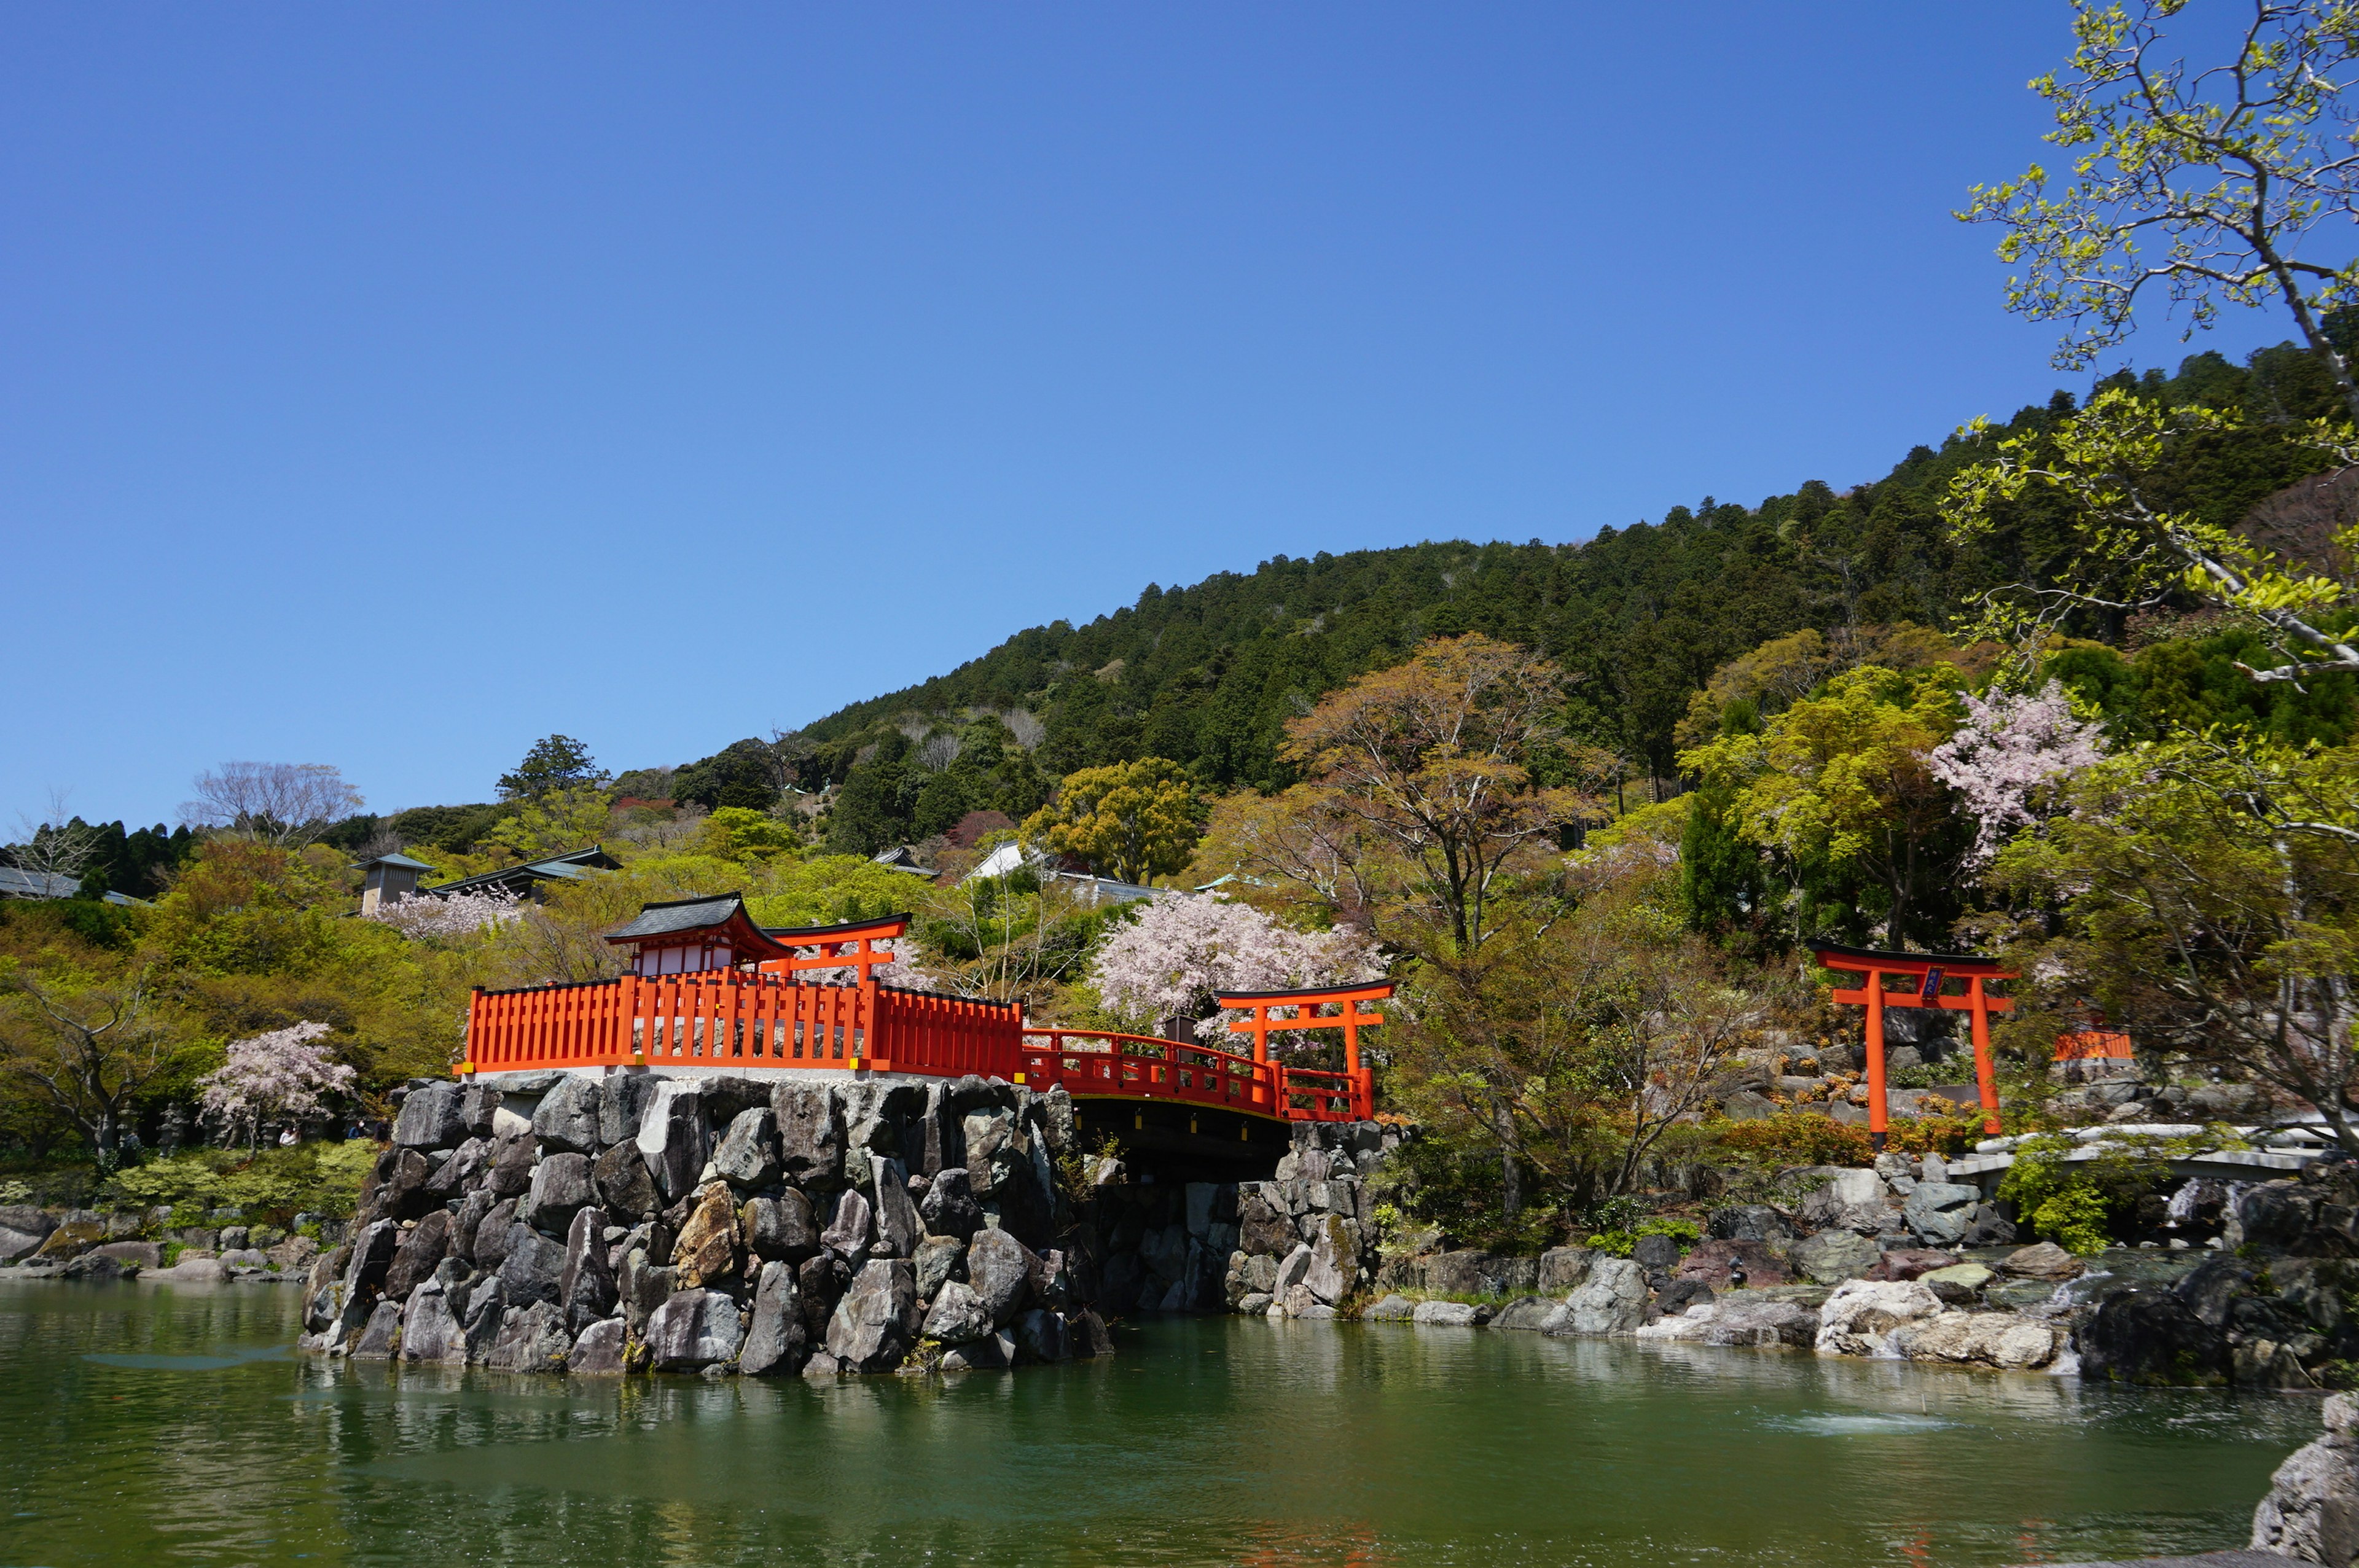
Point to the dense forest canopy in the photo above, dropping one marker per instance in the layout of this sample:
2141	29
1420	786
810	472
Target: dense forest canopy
1639	618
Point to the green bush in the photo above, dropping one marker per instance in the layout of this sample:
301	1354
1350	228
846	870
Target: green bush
274	1185
1621	1243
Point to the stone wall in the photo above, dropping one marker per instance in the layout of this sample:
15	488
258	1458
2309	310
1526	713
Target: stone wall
718	1225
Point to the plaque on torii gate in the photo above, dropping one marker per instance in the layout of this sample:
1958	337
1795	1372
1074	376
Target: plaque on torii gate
1930	973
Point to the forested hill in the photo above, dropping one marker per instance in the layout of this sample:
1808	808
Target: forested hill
1207	674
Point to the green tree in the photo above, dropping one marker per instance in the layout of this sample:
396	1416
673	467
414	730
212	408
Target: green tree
88	1043
2208	183
1844	780
555	762
2209	899
1133	821
557	821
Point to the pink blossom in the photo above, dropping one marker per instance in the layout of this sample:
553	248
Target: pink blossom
278	1075
2008	754
1182	950
454	914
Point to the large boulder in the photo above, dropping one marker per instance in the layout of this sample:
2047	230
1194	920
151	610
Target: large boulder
1939	1212
431	1117
1745	1320
489	1248
1563	1268
781	1229
674	1139
706	1251
748	1155
462	1173
777	1339
370	1257
382	1336
586	1288
898	1228
1335	1259
560	1189
957	1316
2152	1336
27	1220
421	1250
1040	1335
531	1340
534	1268
1263	1227
693	1330
851	1228
2044	1261
1748	1222
820	1280
643	1286
999	1269
877	1322
430	1330
1849	1199
939	1259
1860	1317
1716	1263
1833	1256
599	1350
623	1182
623	1101
2001	1339
512	1161
949	1207
2311	1512
810	1132
478	1108
1611	1300
566	1121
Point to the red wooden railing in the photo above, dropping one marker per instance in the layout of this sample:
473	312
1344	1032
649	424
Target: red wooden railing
727	1018
1094	1062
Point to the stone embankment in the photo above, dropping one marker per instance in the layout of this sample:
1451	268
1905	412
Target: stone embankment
715	1224
2251	1288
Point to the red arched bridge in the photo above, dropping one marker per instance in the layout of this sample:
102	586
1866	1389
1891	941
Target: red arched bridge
708	989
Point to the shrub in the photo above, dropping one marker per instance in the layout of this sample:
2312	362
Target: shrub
1798	1138
275	1183
1621	1243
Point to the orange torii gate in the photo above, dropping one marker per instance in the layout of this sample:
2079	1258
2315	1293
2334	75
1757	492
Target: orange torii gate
848	947
1932	972
1264	1006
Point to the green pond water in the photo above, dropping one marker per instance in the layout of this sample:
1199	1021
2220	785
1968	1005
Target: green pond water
159	1423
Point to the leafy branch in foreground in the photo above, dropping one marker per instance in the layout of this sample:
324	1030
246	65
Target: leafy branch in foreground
2132	552
2199	182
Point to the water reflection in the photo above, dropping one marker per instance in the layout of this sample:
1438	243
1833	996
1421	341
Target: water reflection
144	1424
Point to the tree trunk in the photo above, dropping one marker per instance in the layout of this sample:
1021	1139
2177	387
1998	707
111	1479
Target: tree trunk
1511	1180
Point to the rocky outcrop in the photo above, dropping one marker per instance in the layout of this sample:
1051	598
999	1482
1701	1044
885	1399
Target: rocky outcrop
2311	1512
717	1225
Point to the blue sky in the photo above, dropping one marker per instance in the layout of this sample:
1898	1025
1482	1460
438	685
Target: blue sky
388	386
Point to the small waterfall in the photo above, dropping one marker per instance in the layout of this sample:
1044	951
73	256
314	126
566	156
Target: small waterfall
2182	1202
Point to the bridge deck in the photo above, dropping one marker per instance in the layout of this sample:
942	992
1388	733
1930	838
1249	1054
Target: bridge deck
745	1021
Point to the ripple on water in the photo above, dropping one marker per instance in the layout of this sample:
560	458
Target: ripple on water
1834	1425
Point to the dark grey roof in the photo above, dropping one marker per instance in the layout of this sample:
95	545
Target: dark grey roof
16	883
401	860
680	915
519	880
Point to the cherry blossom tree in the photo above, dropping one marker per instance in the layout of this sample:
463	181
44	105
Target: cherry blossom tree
1182	950
283	1075
2005	759
456	915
